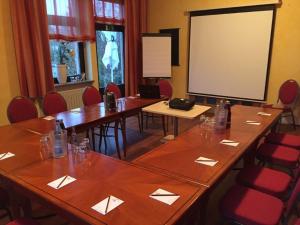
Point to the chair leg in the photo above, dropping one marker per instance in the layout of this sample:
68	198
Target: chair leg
102	132
93	137
105	144
293	118
116	129
164	125
123	129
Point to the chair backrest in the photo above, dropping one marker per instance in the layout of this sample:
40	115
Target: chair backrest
91	96
288	92
21	108
112	87
54	103
165	88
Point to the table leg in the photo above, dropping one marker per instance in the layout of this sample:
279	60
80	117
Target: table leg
175	128
249	156
117	137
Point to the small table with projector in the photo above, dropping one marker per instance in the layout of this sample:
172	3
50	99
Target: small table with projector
164	109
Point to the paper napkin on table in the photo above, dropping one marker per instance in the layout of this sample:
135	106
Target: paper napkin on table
60	182
76	110
6	155
229	142
251	122
164	196
206	161
108	204
264	114
48	118
132	97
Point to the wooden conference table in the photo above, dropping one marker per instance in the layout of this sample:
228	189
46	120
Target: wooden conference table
91	116
170	167
177	158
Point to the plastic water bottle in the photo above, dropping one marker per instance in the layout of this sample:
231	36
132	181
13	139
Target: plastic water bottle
220	117
60	140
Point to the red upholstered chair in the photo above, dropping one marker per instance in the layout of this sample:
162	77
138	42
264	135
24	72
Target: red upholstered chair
23	221
289	140
251	207
91	96
21	108
165	88
266	180
54	103
279	154
287	96
112	87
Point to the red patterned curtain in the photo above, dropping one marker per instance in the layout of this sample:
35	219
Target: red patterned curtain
109	11
135	25
71	20
30	31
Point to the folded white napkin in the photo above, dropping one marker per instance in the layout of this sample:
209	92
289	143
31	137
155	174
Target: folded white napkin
251	122
48	118
132	97
6	155
206	161
60	182
164	196
264	114
108	204
229	142
76	110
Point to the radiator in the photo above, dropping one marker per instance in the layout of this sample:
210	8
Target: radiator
73	97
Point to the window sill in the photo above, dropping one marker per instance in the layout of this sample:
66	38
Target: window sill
73	85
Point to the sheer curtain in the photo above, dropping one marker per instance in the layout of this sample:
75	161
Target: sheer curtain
71	20
30	31
135	25
109	11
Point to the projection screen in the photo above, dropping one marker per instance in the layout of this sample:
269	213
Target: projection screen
229	52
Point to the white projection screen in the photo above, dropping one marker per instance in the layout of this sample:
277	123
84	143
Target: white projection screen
229	52
156	55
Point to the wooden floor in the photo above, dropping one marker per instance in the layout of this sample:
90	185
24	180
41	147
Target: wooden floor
140	143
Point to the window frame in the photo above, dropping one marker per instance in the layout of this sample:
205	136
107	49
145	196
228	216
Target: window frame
81	61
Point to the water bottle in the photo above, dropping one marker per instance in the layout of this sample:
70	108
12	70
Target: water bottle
220	117
60	140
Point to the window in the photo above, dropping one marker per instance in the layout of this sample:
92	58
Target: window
109	11
67	57
110	54
69	54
